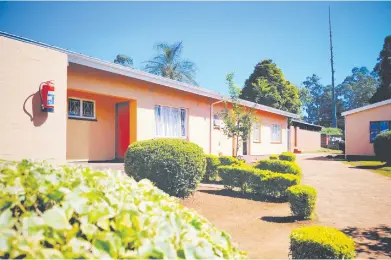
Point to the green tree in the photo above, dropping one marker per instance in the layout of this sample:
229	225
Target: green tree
317	102
124	60
358	88
267	86
239	119
169	64
383	69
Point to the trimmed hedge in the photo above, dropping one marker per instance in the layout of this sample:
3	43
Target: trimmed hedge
174	165
288	156
302	200
74	213
273	157
212	162
255	181
317	242
229	160
382	147
279	166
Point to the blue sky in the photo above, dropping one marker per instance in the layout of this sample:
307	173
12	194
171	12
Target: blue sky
220	37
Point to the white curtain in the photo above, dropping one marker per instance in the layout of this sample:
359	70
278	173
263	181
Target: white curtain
276	133
170	122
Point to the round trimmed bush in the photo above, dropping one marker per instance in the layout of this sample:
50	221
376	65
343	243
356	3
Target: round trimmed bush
382	147
288	156
79	213
279	166
317	242
273	157
212	162
229	160
174	165
302	200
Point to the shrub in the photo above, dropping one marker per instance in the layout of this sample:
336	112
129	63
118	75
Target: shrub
174	165
382	147
317	242
279	166
73	212
249	179
288	156
212	162
273	157
236	176
273	184
302	200
229	160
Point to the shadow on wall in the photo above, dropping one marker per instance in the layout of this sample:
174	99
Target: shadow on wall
375	242
36	115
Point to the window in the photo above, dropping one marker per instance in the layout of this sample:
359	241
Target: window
79	108
170	122
276	133
256	133
378	127
216	121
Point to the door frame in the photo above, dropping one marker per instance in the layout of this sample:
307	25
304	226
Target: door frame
116	127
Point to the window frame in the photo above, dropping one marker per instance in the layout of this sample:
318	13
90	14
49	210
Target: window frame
259	134
271	134
186	122
370	123
81	109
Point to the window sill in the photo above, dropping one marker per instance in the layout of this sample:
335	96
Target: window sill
256	142
276	142
83	118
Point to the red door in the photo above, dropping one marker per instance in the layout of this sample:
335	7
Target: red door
122	129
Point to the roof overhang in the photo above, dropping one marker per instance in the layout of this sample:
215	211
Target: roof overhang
84	60
378	104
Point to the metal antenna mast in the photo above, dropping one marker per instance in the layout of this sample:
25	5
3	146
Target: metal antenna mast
334	110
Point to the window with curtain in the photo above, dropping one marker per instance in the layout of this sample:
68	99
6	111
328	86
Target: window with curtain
376	128
256	133
276	133
170	122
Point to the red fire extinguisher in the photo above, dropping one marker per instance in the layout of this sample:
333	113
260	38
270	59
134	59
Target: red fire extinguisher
46	93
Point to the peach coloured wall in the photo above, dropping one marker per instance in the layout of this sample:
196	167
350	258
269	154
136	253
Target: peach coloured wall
26	132
224	145
92	140
306	140
146	95
357	129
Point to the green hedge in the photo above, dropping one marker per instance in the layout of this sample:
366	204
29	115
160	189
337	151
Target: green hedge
212	163
229	160
73	212
302	200
174	165
317	242
255	181
288	156
382	147
273	157
279	166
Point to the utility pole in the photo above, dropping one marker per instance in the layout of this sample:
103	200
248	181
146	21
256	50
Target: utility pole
334	108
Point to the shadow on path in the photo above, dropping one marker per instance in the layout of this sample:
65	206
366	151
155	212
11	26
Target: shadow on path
373	241
236	194
283	219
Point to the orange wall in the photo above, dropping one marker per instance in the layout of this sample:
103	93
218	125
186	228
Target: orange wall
92	140
306	140
222	144
357	129
26	132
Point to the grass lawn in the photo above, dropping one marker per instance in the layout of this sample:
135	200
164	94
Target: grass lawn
373	166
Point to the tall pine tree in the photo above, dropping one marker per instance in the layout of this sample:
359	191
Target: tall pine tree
383	69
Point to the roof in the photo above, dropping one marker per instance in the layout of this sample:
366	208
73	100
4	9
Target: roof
378	104
81	59
305	123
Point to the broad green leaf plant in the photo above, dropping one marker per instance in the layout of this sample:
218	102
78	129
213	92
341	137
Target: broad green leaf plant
74	212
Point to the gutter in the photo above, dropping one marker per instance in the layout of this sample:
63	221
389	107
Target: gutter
211	124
